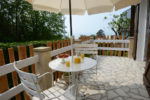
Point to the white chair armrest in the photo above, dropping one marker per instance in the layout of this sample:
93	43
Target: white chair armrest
40	76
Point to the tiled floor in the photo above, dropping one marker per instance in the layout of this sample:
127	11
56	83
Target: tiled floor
118	78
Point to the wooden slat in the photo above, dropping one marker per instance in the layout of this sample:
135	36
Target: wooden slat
49	44
96	37
69	52
107	52
31	55
54	47
81	48
62	43
127	47
22	53
115	49
103	52
66	44
120	45
58	44
124	47
3	79
11	92
87	52
111	45
8	68
109	41
116	45
59	51
14	74
85	45
99	51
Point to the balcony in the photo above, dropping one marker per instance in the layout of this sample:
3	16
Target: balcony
119	76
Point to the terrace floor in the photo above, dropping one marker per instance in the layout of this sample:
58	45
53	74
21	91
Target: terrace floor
118	78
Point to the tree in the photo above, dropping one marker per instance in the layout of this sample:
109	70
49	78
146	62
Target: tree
100	33
119	23
19	22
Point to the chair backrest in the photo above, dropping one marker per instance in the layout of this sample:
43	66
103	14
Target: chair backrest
29	82
86	49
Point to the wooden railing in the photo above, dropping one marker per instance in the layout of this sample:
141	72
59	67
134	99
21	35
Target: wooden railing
113	45
9	83
10	86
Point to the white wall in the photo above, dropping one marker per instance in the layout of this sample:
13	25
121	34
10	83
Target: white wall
142	31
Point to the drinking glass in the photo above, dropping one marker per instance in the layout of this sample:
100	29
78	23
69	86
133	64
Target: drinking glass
67	63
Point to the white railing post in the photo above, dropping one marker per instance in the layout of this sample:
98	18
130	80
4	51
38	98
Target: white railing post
131	46
91	39
42	66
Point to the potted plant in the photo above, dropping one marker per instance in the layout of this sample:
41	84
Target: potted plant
67	77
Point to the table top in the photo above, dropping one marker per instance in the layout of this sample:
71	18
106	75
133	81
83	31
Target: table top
56	65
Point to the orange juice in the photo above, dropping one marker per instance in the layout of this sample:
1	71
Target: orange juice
77	60
82	56
67	63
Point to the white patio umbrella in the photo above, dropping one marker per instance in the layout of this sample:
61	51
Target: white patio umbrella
79	7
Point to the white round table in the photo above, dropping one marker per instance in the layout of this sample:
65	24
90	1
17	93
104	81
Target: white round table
56	65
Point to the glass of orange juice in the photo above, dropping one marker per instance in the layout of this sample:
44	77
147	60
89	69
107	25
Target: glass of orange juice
67	63
82	56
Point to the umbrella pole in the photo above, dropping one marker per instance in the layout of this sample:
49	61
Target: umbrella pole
70	15
73	74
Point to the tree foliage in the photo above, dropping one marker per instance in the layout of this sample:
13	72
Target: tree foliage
19	22
119	23
100	33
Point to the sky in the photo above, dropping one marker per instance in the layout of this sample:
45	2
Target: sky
90	24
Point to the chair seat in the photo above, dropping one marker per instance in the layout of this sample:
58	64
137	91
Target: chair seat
54	93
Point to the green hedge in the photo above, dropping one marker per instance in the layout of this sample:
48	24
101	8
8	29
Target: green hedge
5	46
15	44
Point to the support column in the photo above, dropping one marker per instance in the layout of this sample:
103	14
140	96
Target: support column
131	47
42	66
141	41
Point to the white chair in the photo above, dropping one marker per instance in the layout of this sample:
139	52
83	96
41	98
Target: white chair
33	89
88	49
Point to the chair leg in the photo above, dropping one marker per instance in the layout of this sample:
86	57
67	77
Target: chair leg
52	79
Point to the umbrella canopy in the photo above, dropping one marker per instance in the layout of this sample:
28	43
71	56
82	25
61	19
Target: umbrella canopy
80	6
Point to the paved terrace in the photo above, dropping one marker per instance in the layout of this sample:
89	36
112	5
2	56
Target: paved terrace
119	78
